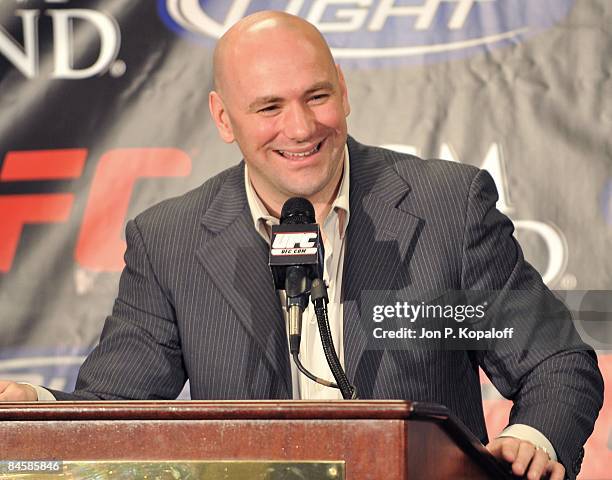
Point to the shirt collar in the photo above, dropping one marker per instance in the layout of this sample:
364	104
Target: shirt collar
263	220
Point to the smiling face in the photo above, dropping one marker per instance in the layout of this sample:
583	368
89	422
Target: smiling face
282	99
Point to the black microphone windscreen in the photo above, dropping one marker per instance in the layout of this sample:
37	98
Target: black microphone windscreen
297	210
296	242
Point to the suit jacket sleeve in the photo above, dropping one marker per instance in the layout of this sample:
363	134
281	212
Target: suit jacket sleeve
552	378
139	353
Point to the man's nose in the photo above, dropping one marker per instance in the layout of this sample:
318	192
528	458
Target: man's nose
300	123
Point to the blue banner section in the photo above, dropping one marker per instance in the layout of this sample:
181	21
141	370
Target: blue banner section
56	368
364	34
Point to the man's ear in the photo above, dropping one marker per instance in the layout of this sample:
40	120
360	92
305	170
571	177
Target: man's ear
220	116
344	92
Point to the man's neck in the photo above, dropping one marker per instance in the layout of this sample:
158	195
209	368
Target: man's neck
321	203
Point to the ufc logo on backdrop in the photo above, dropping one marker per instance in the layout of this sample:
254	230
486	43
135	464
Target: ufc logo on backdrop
99	246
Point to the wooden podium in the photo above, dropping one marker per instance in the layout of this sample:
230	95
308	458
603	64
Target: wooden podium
344	439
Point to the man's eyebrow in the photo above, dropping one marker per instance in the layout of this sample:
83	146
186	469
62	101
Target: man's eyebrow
325	85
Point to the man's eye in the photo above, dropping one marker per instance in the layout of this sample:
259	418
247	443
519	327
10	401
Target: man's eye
321	97
268	109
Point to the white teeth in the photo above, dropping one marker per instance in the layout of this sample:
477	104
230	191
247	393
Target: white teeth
302	154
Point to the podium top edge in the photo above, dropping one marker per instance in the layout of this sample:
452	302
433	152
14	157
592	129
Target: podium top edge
220	410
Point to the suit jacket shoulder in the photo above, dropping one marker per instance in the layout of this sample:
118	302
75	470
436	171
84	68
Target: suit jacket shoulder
430	179
184	212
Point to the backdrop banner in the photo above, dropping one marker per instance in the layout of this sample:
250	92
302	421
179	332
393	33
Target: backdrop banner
103	113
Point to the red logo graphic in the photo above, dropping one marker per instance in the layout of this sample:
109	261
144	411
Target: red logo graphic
99	246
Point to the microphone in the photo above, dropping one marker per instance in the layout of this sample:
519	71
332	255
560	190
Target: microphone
296	258
296	261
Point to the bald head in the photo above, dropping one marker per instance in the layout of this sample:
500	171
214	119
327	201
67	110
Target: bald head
279	95
262	28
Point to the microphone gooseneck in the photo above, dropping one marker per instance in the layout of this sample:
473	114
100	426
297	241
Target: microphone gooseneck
297	286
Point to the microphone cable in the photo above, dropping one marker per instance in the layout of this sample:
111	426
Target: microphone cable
318	295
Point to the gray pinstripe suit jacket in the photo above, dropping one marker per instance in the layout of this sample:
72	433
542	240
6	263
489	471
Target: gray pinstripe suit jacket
196	301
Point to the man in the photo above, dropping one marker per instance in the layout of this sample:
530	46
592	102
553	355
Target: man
196	299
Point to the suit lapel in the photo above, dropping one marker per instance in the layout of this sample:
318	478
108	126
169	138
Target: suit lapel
379	241
236	258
